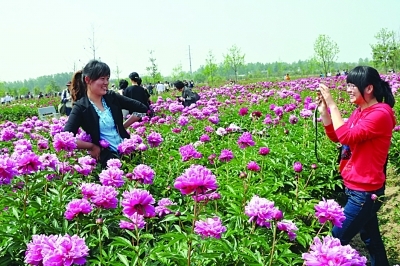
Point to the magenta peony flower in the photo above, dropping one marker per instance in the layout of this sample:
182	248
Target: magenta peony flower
64	141
77	206
243	111
56	250
188	152
105	197
8	169
330	210
33	254
162	209
264	151
245	140
297	167
183	120
213	119
226	156
293	119
112	176
262	211
289	227
204	138
104	143
43	144
331	252
154	139
136	222
211	227
143	174
114	163
89	190
127	146
196	179
138	201
48	161
28	163
253	166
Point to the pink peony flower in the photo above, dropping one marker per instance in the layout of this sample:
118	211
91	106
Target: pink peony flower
143	174
211	227
196	179
331	252
138	201
330	210
77	206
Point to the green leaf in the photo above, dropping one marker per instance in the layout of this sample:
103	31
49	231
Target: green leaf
15	212
105	231
123	259
123	241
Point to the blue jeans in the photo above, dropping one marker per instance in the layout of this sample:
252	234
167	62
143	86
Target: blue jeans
361	217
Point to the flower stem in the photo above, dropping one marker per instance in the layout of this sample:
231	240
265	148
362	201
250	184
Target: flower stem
273	243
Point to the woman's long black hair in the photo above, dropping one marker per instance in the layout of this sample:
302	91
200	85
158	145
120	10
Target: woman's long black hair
362	76
94	70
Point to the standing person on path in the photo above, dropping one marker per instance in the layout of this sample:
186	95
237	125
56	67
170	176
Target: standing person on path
98	111
366	135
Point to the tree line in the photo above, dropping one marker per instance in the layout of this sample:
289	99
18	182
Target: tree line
385	57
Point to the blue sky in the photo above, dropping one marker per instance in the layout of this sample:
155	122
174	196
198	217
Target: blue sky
47	37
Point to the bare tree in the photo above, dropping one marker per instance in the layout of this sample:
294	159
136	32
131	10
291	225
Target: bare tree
92	43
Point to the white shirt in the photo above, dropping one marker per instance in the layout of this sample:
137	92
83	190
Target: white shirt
160	87
7	98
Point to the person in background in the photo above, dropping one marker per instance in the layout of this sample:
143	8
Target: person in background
138	93
40	95
191	84
188	96
160	87
166	86
123	84
98	111
150	89
66	98
287	77
8	98
366	136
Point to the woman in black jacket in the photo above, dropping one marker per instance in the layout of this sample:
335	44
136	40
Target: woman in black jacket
98	111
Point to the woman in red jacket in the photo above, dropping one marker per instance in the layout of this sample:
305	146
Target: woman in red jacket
366	138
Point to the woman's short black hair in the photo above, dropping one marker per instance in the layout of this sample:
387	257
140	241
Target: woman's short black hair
95	70
134	76
179	84
362	76
123	84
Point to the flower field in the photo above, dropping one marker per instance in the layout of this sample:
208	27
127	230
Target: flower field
245	177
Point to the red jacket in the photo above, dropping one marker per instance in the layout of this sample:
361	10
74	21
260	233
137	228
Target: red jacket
368	133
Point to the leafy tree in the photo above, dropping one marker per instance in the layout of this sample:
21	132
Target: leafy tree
234	59
210	69
177	73
36	91
153	68
326	51
386	52
23	91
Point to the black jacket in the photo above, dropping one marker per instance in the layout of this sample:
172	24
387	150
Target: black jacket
84	115
138	93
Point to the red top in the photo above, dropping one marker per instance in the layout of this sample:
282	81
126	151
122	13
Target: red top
368	133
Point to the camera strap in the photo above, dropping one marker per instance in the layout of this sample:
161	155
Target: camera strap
315	122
